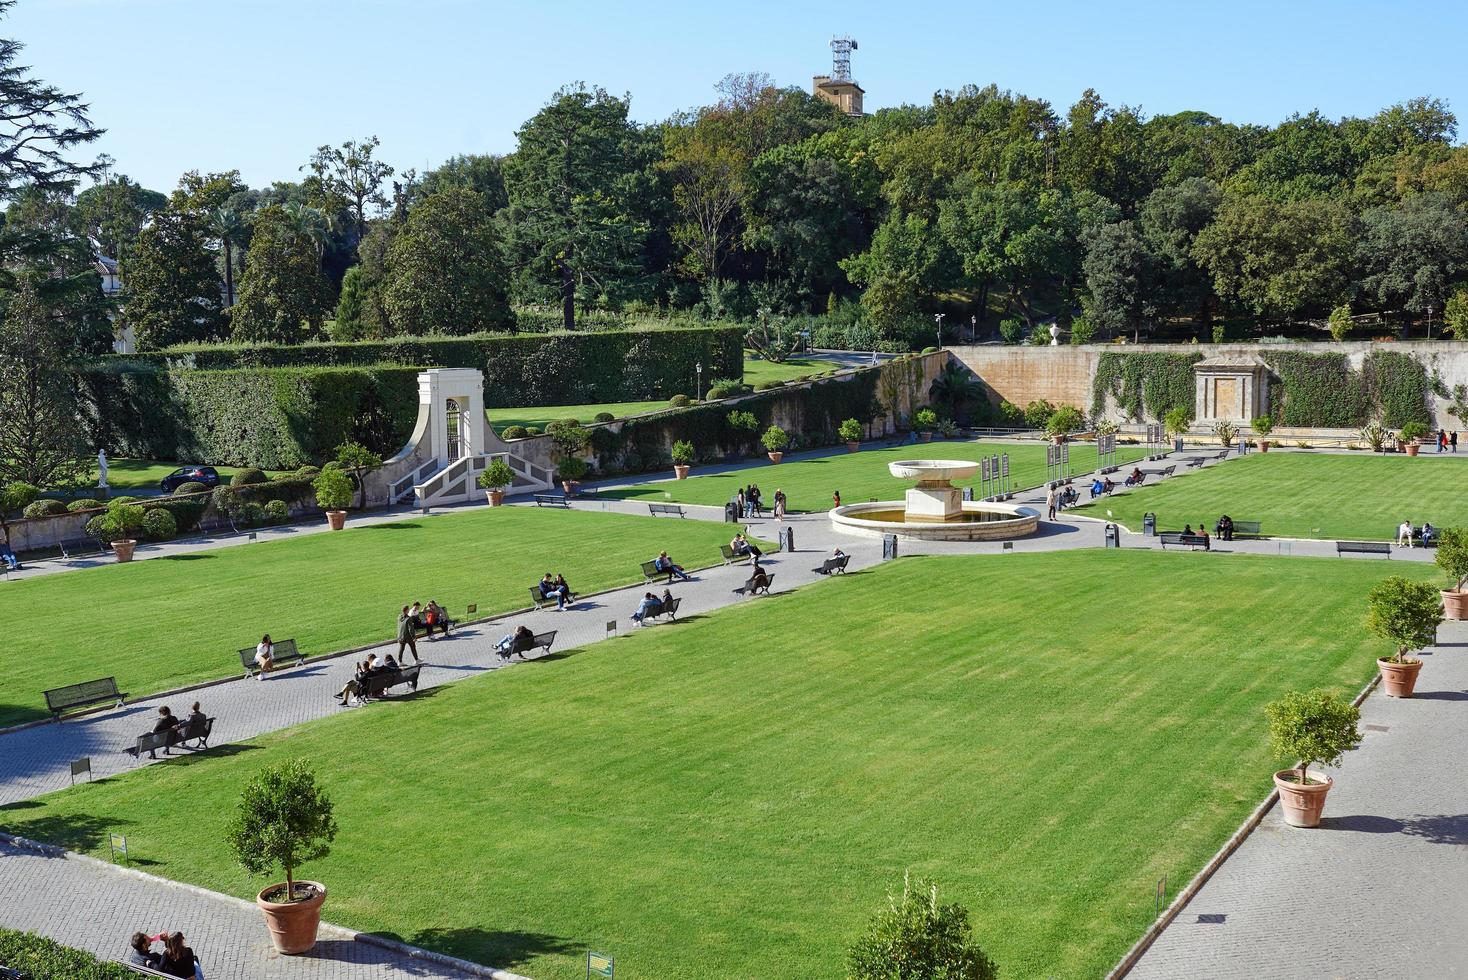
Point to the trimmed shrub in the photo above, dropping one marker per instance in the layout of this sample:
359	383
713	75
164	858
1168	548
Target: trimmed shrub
534	430
308	472
42	959
158	525
683	452
775	439
192	486
247	476
678	401
185	511
45	507
85	503
605	417
292	491
276	511
515	432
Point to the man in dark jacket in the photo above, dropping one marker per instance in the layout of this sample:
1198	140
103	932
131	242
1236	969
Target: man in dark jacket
405	636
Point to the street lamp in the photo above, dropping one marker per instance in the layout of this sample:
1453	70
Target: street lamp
1429	323
699	368
938	318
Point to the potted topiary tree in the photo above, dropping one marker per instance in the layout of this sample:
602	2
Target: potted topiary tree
682	458
775	440
334	495
122	519
1263	425
1063	421
493	480
571	469
1177	422
850	431
570	440
925	420
1452	557
1407	613
1412	434
284	819
358	460
1313	729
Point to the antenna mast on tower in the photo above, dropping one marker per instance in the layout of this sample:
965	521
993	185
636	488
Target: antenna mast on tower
841	48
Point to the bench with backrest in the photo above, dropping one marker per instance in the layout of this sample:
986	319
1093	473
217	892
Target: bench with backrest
669	609
1363	548
552	500
284	650
141	971
376	685
833	565
651	571
82	695
748	587
151	742
1242	529
673	510
425	629
730	556
1165	471
540	641
539	601
1193	541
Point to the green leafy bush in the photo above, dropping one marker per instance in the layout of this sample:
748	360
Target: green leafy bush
247	476
1340	322
1038	412
514	432
1082	331
1177	421
925	420
1039	336
45	507
775	439
1314	728
850	430
333	489
605	417
307	472
678	401
1065	420
83	503
158	525
1414	431
1262	425
534	430
121	520
1011	331
1452	554
283	820
42	959
496	476
1404	612
276	511
190	486
1226	431
915	938
16	496
571	468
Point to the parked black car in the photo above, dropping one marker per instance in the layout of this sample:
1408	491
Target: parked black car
206	475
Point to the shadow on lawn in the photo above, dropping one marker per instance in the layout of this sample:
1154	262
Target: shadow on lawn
504	950
393	526
79	832
192	556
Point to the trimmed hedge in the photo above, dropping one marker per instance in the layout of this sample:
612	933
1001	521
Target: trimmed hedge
44	959
525	370
277	418
292	491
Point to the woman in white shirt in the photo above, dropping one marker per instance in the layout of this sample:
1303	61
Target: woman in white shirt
264	656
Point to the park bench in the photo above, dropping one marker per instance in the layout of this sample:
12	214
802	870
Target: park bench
104	689
1194	462
730	557
284	650
832	565
671	509
1193	541
552	500
1417	538
425	629
151	742
376	685
748	587
540	601
651	571
1363	548
540	641
141	971
1249	529
1164	472
669	609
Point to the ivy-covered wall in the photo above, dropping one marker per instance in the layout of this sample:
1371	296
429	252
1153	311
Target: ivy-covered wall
523	370
1144	387
1316	390
274	418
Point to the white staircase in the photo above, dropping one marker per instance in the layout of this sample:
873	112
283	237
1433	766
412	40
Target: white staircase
455	483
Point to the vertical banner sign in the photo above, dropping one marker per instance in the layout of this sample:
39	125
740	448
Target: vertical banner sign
1004	472
599	965
1064	460
984	477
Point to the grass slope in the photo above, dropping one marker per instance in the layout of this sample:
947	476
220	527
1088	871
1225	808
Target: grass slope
1303	495
166	622
503	418
735	795
808	483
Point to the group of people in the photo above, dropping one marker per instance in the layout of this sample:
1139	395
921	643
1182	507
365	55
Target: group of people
652	604
751	501
1224	528
1057	498
668	566
167	721
555	587
175	959
1447	440
1202	532
1406	533
371	667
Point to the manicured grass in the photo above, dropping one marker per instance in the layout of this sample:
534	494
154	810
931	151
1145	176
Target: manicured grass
735	795
1304	495
808	483
144	474
171	621
503	418
758	371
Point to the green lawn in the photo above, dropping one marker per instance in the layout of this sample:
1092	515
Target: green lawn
757	371
144	474
1304	495
503	418
706	800
859	476
171	621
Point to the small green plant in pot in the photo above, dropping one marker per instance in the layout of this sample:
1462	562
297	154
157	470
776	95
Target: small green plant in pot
1262	426
1225	431
775	440
494	479
333	495
1412	434
570	469
1177	422
925	420
682	458
1314	728
119	524
1452	557
284	820
1065	420
1407	614
850	432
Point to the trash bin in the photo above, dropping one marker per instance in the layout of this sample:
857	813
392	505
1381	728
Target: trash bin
731	512
1149	525
787	539
889	547
1113	536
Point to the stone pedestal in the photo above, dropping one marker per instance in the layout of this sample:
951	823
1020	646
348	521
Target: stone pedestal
934	502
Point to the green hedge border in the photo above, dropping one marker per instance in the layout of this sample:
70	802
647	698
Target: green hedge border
45	959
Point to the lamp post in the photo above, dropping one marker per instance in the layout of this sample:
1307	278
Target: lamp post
1429	323
938	319
699	368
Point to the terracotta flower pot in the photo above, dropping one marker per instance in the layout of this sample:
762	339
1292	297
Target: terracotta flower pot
927	437
680	472
495	497
1264	445
1301	803
852	447
1455	604
337	519
293	925
1399	678
776	457
123	549
1413	447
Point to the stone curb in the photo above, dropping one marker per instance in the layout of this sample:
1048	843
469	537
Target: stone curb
1208	870
334	931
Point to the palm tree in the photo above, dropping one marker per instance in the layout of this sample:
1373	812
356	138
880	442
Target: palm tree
955	387
228	226
310	223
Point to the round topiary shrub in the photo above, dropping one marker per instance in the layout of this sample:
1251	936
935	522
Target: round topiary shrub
515	432
44	508
276	511
85	503
534	430
605	417
723	390
678	401
159	525
252	514
308	472
247	476
97	528
192	486
767	385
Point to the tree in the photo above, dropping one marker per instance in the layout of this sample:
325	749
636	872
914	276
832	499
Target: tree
955	387
916	938
1412	254
568	186
480	172
228	228
445	273
897	271
708	185
358	460
1312	729
348	175
283	820
14	498
40	439
282	295
1405	612
351	306
172	286
114	213
1340	322
1122	275
1455	314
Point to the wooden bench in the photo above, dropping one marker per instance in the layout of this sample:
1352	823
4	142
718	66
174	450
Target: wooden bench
671	509
376	685
284	650
669	609
1363	548
552	500
730	557
748	587
1165	471
141	971
151	742
99	691
540	641
833	565
1193	541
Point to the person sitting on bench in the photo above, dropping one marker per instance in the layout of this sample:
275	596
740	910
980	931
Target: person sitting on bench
758	579
665	564
1096	488
1429	533
1404	535
8	556
565	587
140	950
836	555
1107	485
1224	528
435	617
179	960
1188	529
648	604
1203	533
522	637
742	546
1135	477
166	722
351	688
196	717
549	590
264	657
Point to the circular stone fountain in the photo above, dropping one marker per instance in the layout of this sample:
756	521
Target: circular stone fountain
935	509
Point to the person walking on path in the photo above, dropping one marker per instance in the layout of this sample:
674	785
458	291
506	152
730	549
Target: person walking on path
779	504
405	636
1050	502
1453	439
1442	440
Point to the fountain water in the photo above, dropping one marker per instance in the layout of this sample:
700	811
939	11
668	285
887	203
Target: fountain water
935	510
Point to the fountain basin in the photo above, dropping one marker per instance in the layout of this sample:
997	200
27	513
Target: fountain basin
976	521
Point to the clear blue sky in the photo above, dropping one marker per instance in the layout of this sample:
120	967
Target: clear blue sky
258	84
